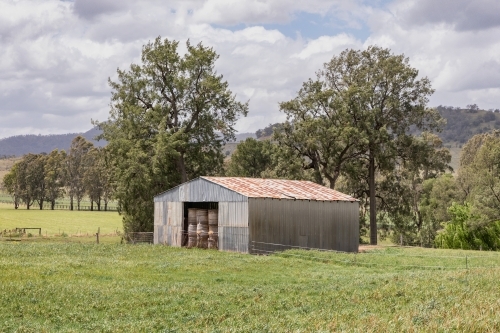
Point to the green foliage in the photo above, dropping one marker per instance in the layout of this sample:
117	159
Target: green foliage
267	131
55	171
461	232
251	158
353	120
123	288
76	164
170	117
479	175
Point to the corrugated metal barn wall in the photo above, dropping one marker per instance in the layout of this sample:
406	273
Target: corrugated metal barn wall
233	214
168	222
332	225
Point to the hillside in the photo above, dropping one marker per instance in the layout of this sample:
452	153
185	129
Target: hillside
461	125
23	144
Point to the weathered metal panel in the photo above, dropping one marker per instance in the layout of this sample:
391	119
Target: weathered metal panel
276	225
234	239
157	213
199	190
155	234
233	214
175	214
158	234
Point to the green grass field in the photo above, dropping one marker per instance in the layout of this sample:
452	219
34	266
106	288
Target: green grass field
56	222
145	288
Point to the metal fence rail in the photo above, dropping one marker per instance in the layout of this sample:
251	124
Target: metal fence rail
66	207
365	259
139	237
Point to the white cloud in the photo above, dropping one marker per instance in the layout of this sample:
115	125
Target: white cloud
56	56
330	45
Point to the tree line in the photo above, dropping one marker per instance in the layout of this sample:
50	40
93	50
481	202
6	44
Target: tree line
361	126
41	178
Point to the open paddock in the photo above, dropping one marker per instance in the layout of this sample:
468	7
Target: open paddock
152	288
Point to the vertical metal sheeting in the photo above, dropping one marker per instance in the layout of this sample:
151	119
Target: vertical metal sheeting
276	225
233	226
213	229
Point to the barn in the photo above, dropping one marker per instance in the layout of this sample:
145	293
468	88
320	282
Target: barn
253	215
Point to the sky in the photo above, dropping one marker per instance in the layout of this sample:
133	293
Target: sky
56	56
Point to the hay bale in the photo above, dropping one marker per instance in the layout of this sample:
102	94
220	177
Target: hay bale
213	216
192	215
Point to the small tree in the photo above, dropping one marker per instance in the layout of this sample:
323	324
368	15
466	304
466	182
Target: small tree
54	176
12	185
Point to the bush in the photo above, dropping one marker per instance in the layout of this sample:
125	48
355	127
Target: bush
459	233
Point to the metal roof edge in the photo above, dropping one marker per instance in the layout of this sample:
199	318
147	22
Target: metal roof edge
173	188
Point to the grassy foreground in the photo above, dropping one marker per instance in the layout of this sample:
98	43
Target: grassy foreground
127	288
56	222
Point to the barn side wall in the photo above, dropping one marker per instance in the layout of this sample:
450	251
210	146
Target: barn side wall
276	225
168	220
233	226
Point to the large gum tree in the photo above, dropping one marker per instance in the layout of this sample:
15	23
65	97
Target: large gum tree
353	119
170	117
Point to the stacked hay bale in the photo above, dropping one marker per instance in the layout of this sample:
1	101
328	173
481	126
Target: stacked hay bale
202	227
192	226
213	229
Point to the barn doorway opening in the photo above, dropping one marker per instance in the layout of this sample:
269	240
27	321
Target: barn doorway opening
185	225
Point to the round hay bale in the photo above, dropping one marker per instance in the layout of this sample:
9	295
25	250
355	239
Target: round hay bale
202	216
192	241
213	242
213	216
192	215
192	230
202	242
202	230
213	229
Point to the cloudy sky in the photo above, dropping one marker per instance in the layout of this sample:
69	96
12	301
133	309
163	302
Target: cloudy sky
56	56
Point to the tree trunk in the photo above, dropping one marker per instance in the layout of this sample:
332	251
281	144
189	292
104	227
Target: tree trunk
27	205
181	164
41	204
98	202
71	202
373	203
52	204
105	206
91	205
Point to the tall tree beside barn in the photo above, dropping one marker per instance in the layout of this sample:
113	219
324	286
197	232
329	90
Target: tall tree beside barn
359	108
170	117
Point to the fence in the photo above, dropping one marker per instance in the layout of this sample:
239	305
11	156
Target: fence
139	237
48	206
390	256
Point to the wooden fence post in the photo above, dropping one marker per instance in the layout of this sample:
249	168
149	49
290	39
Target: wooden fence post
97	235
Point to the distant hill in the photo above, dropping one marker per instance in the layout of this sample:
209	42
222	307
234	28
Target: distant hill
462	124
23	144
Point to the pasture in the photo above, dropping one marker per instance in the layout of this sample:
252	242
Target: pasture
58	222
146	288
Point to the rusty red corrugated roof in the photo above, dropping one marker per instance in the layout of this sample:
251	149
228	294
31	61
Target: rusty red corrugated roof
280	189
